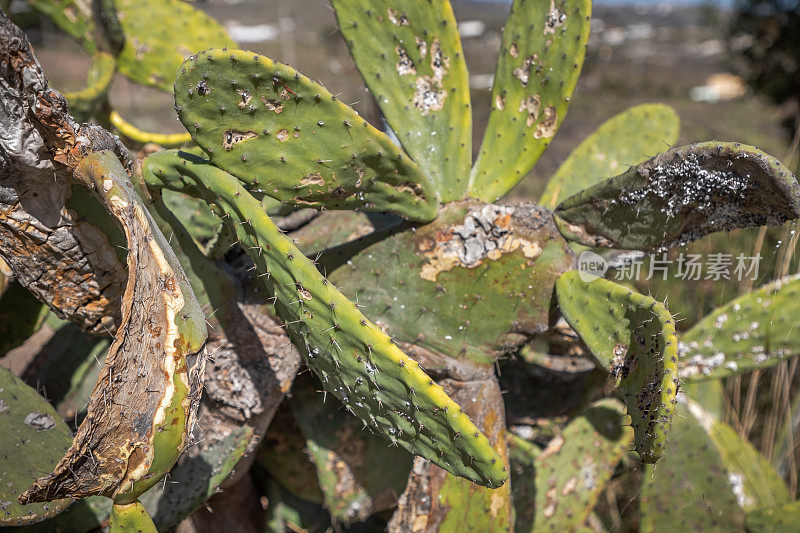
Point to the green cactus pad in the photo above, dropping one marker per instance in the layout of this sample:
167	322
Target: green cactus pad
287	137
476	283
555	489
755	330
85	103
130	518
160	35
689	490
633	337
783	519
409	54
622	141
353	358
21	315
32	441
358	473
735	468
540	59
333	228
756	482
680	196
198	218
435	500
195	478
74	17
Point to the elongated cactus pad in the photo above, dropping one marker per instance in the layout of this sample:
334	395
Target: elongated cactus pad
556	489
680	196
633	337
754	481
540	59
409	53
353	358
167	140
624	140
84	104
782	519
755	330
357	472
32	440
73	17
143	405
160	35
436	501
689	490
21	314
287	137
476	283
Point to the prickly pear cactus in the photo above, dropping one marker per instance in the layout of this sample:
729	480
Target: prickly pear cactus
410	56
753	331
633	337
353	358
408	312
555	488
623	140
160	35
287	137
37	437
538	66
680	196
711	479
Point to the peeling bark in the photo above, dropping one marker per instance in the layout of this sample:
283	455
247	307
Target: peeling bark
66	263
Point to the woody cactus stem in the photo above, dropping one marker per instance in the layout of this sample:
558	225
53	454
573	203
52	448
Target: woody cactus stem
142	409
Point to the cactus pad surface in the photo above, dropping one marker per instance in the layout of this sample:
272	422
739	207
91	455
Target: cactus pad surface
475	283
689	489
680	196
755	330
409	54
782	519
622	141
559	486
32	440
160	35
633	337
540	59
353	358
130	518
286	137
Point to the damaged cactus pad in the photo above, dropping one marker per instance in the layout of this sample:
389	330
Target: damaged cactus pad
292	317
